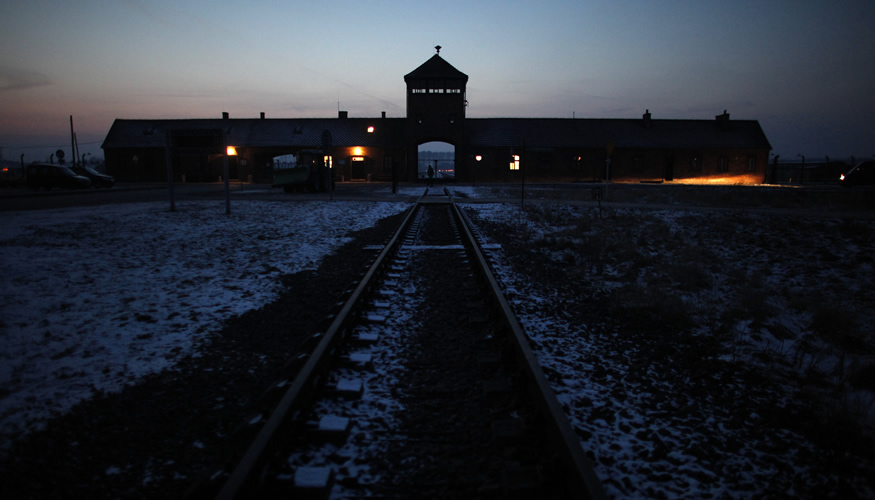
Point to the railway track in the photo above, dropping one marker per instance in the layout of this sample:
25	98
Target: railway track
422	386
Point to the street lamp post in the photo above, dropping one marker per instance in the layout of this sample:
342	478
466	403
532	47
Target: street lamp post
168	161
229	151
802	169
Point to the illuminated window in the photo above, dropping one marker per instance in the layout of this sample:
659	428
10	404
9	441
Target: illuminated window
435	91
419	91
358	158
751	163
515	162
723	166
454	91
328	161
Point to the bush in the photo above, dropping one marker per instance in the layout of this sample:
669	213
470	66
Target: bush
863	377
835	324
651	309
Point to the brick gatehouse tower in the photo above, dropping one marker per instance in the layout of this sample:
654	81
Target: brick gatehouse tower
436	110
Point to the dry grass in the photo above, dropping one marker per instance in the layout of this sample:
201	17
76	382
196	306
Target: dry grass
725	277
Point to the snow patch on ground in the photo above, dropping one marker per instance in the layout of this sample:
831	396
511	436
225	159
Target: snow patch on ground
690	422
92	299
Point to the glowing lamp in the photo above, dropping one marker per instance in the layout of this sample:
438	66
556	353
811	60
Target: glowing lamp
231	151
357	151
478	157
370	130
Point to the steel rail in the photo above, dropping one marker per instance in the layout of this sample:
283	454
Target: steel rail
258	452
581	475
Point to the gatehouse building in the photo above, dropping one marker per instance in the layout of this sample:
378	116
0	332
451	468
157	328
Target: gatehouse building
647	149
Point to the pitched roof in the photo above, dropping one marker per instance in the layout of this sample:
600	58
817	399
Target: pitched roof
623	133
306	133
254	132
435	68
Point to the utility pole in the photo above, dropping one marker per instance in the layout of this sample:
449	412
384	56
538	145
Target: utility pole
72	140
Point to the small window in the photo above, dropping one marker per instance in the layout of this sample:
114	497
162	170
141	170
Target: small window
515	162
435	91
454	91
419	91
696	163
723	165
751	163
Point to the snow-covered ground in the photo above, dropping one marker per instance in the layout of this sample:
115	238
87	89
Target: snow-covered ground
755	321
92	299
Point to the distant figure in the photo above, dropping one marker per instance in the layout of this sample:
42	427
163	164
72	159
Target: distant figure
430	174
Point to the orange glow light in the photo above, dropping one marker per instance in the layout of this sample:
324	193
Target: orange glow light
370	130
357	151
231	151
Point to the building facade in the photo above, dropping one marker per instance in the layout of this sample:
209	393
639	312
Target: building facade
485	149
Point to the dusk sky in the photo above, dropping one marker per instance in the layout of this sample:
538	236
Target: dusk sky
804	69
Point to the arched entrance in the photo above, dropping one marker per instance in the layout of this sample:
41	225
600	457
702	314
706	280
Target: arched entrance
441	156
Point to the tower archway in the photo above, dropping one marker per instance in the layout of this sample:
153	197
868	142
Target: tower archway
441	156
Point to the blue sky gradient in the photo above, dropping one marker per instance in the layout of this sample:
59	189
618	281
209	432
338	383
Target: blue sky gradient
804	69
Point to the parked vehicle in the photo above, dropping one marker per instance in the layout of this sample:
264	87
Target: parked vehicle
308	174
50	176
11	177
862	173
97	179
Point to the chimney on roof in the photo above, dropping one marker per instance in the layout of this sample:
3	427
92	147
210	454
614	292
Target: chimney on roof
343	115
225	115
646	117
384	114
723	120
262	115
